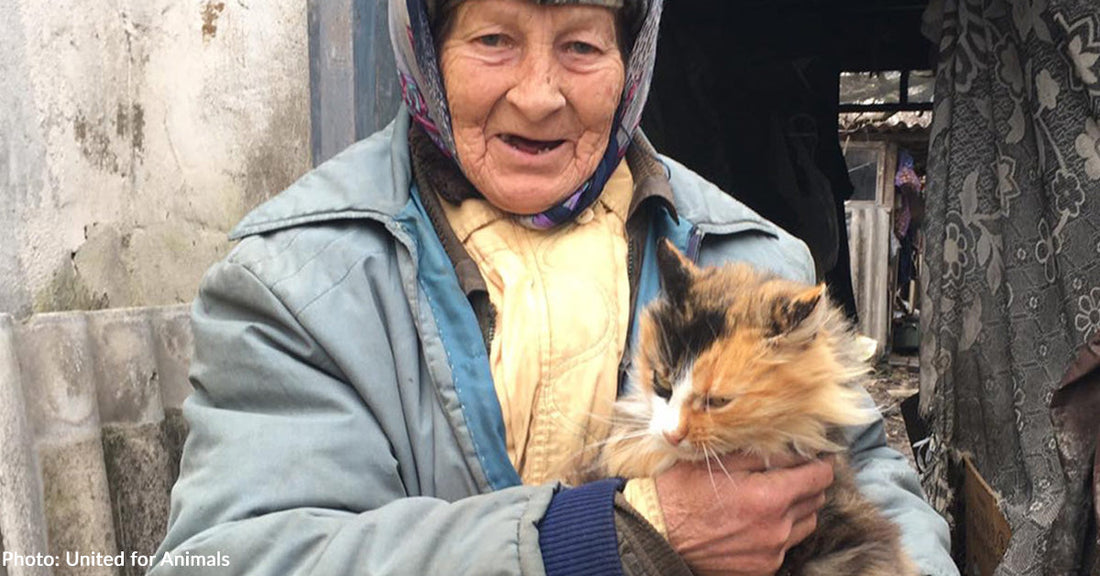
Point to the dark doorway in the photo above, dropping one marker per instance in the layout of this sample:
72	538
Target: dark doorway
746	94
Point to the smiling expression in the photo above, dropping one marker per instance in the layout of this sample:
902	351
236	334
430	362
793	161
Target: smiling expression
532	92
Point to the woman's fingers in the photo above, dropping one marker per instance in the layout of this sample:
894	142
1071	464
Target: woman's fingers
807	507
742	519
802	530
805	480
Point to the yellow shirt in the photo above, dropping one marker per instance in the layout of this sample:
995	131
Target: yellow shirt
562	300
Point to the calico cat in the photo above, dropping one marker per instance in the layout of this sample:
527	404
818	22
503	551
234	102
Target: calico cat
731	359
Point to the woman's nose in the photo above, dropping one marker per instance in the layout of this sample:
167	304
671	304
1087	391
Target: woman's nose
537	94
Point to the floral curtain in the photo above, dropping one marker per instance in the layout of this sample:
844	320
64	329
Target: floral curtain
1012	264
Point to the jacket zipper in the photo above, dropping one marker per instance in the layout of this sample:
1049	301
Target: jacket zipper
492	330
695	241
625	361
630	265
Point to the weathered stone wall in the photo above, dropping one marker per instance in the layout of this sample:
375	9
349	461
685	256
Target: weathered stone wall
133	135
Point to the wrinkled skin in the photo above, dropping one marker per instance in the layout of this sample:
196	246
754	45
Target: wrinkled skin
533	92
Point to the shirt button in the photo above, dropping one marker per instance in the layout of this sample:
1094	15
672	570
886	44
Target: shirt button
586	216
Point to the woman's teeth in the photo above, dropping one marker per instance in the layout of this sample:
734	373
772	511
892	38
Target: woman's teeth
531	146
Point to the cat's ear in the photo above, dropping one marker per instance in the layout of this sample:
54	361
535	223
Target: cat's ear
789	314
676	270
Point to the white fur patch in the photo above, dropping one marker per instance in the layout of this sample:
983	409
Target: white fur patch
667	414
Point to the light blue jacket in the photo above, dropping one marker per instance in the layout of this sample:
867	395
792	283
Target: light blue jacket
344	420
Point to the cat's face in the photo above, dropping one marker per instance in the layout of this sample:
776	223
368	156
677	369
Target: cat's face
733	360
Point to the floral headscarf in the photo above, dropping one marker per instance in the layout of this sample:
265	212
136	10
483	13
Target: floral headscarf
422	89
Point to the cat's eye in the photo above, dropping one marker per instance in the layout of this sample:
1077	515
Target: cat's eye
717	402
661	387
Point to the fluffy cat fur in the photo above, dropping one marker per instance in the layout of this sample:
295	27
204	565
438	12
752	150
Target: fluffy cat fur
731	359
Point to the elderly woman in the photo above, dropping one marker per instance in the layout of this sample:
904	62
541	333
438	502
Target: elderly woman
410	345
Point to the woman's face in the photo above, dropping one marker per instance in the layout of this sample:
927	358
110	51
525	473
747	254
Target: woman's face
532	91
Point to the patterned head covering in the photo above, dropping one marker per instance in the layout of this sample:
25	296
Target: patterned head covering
422	87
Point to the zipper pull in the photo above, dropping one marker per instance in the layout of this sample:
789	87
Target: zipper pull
695	240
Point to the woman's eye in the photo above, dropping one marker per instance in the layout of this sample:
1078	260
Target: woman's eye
661	387
582	48
491	40
717	402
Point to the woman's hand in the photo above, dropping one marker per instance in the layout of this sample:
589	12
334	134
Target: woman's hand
742	523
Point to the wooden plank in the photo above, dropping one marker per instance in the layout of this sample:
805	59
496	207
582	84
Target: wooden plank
352	77
986	530
880	296
331	77
869	248
378	94
890	169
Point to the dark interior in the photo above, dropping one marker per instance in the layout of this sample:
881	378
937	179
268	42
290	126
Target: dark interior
746	93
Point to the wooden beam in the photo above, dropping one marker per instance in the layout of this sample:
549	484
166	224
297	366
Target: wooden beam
352	77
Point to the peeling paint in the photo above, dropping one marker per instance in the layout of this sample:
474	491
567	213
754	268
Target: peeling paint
130	124
122	122
67	291
95	144
137	137
210	13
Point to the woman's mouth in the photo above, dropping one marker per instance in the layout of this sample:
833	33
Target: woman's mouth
529	146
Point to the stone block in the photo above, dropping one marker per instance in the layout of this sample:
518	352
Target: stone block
91	433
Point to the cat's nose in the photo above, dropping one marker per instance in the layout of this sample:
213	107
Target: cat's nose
675	437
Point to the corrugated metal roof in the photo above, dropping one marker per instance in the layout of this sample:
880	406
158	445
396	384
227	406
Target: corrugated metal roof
885	122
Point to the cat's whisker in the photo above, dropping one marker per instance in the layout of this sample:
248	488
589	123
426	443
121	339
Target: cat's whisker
591	448
710	473
639	419
630	436
617	418
721	465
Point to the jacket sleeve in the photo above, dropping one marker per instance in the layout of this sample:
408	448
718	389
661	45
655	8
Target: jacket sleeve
286	469
885	477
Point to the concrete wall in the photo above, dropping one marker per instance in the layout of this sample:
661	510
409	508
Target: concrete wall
133	135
